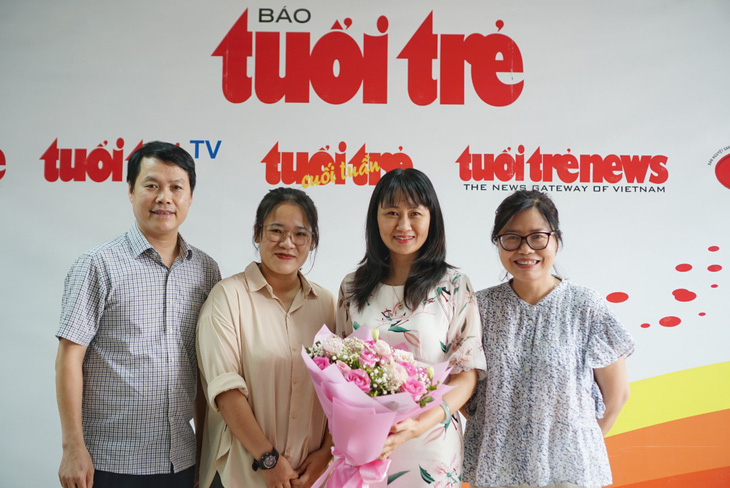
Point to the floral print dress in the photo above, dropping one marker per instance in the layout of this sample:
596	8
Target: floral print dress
444	327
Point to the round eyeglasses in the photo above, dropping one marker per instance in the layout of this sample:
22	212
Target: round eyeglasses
536	240
299	237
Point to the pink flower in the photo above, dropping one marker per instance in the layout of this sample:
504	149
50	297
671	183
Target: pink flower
343	367
368	358
397	373
360	378
410	368
415	388
321	362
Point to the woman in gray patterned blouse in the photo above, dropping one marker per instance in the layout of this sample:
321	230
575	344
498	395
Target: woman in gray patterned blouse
556	373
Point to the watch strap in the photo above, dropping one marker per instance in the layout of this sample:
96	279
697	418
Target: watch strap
262	463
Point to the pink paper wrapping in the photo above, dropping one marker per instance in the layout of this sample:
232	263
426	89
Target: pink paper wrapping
359	423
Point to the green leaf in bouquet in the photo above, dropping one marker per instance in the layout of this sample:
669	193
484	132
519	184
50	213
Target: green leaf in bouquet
425	400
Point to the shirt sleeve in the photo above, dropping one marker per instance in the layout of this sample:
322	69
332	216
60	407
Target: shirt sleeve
331	321
84	298
218	343
211	271
609	340
216	273
464	350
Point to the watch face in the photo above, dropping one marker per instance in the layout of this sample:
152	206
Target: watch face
268	461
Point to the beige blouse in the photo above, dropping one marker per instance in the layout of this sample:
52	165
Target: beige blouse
246	340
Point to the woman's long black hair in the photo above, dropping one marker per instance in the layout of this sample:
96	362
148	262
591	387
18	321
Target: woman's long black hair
430	264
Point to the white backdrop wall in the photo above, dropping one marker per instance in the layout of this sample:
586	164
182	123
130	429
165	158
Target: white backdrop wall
552	83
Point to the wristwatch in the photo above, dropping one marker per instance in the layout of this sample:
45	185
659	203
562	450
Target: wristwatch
268	460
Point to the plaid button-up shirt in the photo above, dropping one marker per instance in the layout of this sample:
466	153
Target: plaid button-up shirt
137	318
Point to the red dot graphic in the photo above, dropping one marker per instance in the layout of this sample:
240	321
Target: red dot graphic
684	267
702	314
670	321
682	295
713	285
645	326
722	171
713	248
617	297
714	268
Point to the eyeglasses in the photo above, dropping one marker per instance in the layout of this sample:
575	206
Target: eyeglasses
536	240
299	237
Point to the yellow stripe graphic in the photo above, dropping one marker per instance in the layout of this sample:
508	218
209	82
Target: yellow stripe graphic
675	396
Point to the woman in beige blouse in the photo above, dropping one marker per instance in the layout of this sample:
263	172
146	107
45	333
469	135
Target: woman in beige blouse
264	425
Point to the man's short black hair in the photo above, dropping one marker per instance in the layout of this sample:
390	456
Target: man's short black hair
164	152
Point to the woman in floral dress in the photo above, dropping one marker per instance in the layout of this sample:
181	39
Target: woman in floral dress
405	289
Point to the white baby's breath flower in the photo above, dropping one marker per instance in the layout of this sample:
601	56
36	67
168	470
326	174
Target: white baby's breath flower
353	345
332	346
401	355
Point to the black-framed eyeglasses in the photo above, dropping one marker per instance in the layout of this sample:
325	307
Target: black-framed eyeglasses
299	237
536	240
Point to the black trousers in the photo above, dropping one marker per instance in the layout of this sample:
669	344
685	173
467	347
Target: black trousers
217	482
183	479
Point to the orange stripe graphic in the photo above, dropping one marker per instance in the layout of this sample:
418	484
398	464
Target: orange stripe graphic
671	449
713	478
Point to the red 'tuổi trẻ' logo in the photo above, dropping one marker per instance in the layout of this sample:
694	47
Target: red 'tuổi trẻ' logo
98	164
325	166
541	167
365	64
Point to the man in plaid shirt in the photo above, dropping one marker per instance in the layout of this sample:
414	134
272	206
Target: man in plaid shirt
126	371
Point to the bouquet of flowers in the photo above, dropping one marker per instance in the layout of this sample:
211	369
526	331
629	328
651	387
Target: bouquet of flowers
365	386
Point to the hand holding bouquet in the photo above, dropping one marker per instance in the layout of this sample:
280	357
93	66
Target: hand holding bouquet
366	386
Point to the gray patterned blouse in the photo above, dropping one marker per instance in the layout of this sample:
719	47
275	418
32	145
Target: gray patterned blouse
532	420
